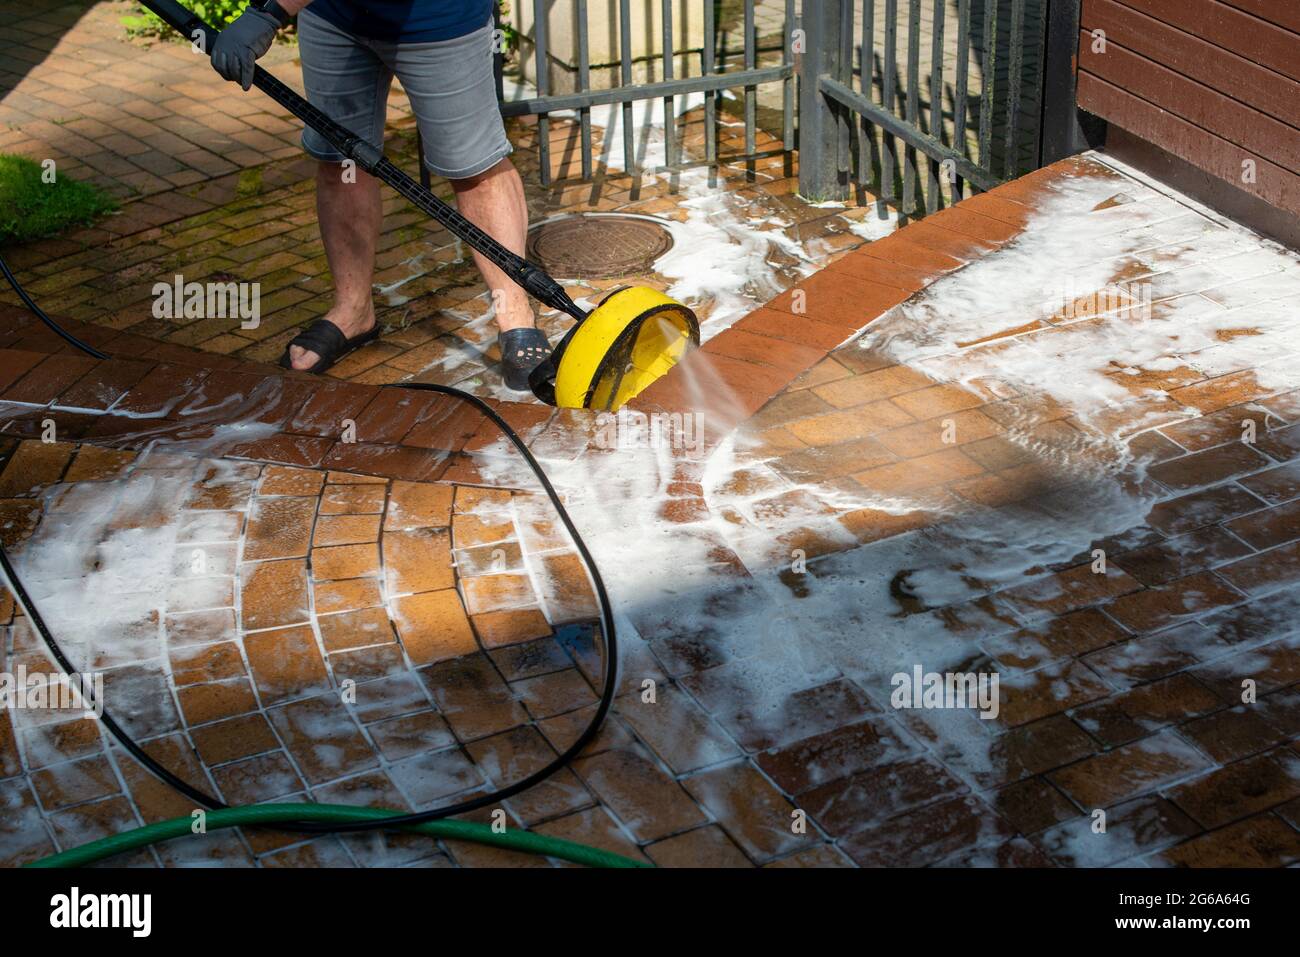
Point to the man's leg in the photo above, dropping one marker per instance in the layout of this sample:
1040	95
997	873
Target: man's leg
494	202
350	217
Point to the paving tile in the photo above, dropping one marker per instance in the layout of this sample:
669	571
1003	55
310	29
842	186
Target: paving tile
472	697
489	593
1066	591
265	777
201	703
1147	708
1198	509
352	499
33	466
1262	530
1046	691
346	595
345	562
411	734
835	754
651	804
1276	485
705	846
1232	734
48	379
1257	574
1032	805
1240	789
927	835
1133	829
1134	769
501	629
865	800
679	733
391	413
433	626
279	528
15	363
1208	467
507	757
594	827
752	812
345	530
418	560
286	663
287	480
548	695
856	423
873	387
355	629
823	855
274	594
1158	607
329	407
74	782
1177	557
391	461
232	739
418	505
322	738
1260	841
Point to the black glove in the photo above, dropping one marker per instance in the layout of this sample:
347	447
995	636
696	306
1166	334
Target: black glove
239	45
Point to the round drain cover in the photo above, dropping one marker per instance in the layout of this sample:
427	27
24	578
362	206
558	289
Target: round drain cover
597	247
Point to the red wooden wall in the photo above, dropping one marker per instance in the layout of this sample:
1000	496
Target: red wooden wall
1214	82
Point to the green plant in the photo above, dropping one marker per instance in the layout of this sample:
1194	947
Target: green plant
509	35
31	207
217	13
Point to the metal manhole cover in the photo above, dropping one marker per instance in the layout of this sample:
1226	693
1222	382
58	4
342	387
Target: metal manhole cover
583	246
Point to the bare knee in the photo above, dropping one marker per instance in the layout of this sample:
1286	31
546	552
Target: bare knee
503	168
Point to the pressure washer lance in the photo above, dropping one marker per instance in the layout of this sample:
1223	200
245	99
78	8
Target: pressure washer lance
529	276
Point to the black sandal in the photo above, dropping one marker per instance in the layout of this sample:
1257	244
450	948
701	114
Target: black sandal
522	351
327	341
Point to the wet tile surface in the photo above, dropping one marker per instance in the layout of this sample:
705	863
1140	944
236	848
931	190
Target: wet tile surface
400	620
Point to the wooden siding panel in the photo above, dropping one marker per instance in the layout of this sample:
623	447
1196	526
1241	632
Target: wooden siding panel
1193	101
1285	13
1250	37
1194	57
1215	155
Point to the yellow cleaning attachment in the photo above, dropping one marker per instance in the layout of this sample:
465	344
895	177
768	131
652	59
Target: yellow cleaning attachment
632	338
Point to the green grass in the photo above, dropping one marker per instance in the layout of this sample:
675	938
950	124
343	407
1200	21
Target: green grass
31	208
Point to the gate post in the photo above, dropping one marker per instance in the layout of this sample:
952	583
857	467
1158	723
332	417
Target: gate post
819	173
1061	133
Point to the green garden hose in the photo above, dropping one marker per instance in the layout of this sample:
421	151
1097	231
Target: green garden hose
264	814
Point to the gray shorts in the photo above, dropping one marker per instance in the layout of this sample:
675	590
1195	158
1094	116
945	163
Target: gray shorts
450	84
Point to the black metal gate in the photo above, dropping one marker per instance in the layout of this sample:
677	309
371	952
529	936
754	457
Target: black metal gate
981	93
916	101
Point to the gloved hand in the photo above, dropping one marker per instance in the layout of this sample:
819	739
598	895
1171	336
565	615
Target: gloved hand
239	45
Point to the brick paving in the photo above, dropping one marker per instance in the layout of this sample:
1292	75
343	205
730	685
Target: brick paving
858	508
138	119
464	619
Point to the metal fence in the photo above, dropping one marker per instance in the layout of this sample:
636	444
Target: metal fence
882	91
997	87
715	75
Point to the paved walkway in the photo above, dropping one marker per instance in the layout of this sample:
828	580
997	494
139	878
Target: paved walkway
1094	503
1048	435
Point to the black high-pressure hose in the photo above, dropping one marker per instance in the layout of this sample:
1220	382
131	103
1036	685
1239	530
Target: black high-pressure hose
531	278
210	802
